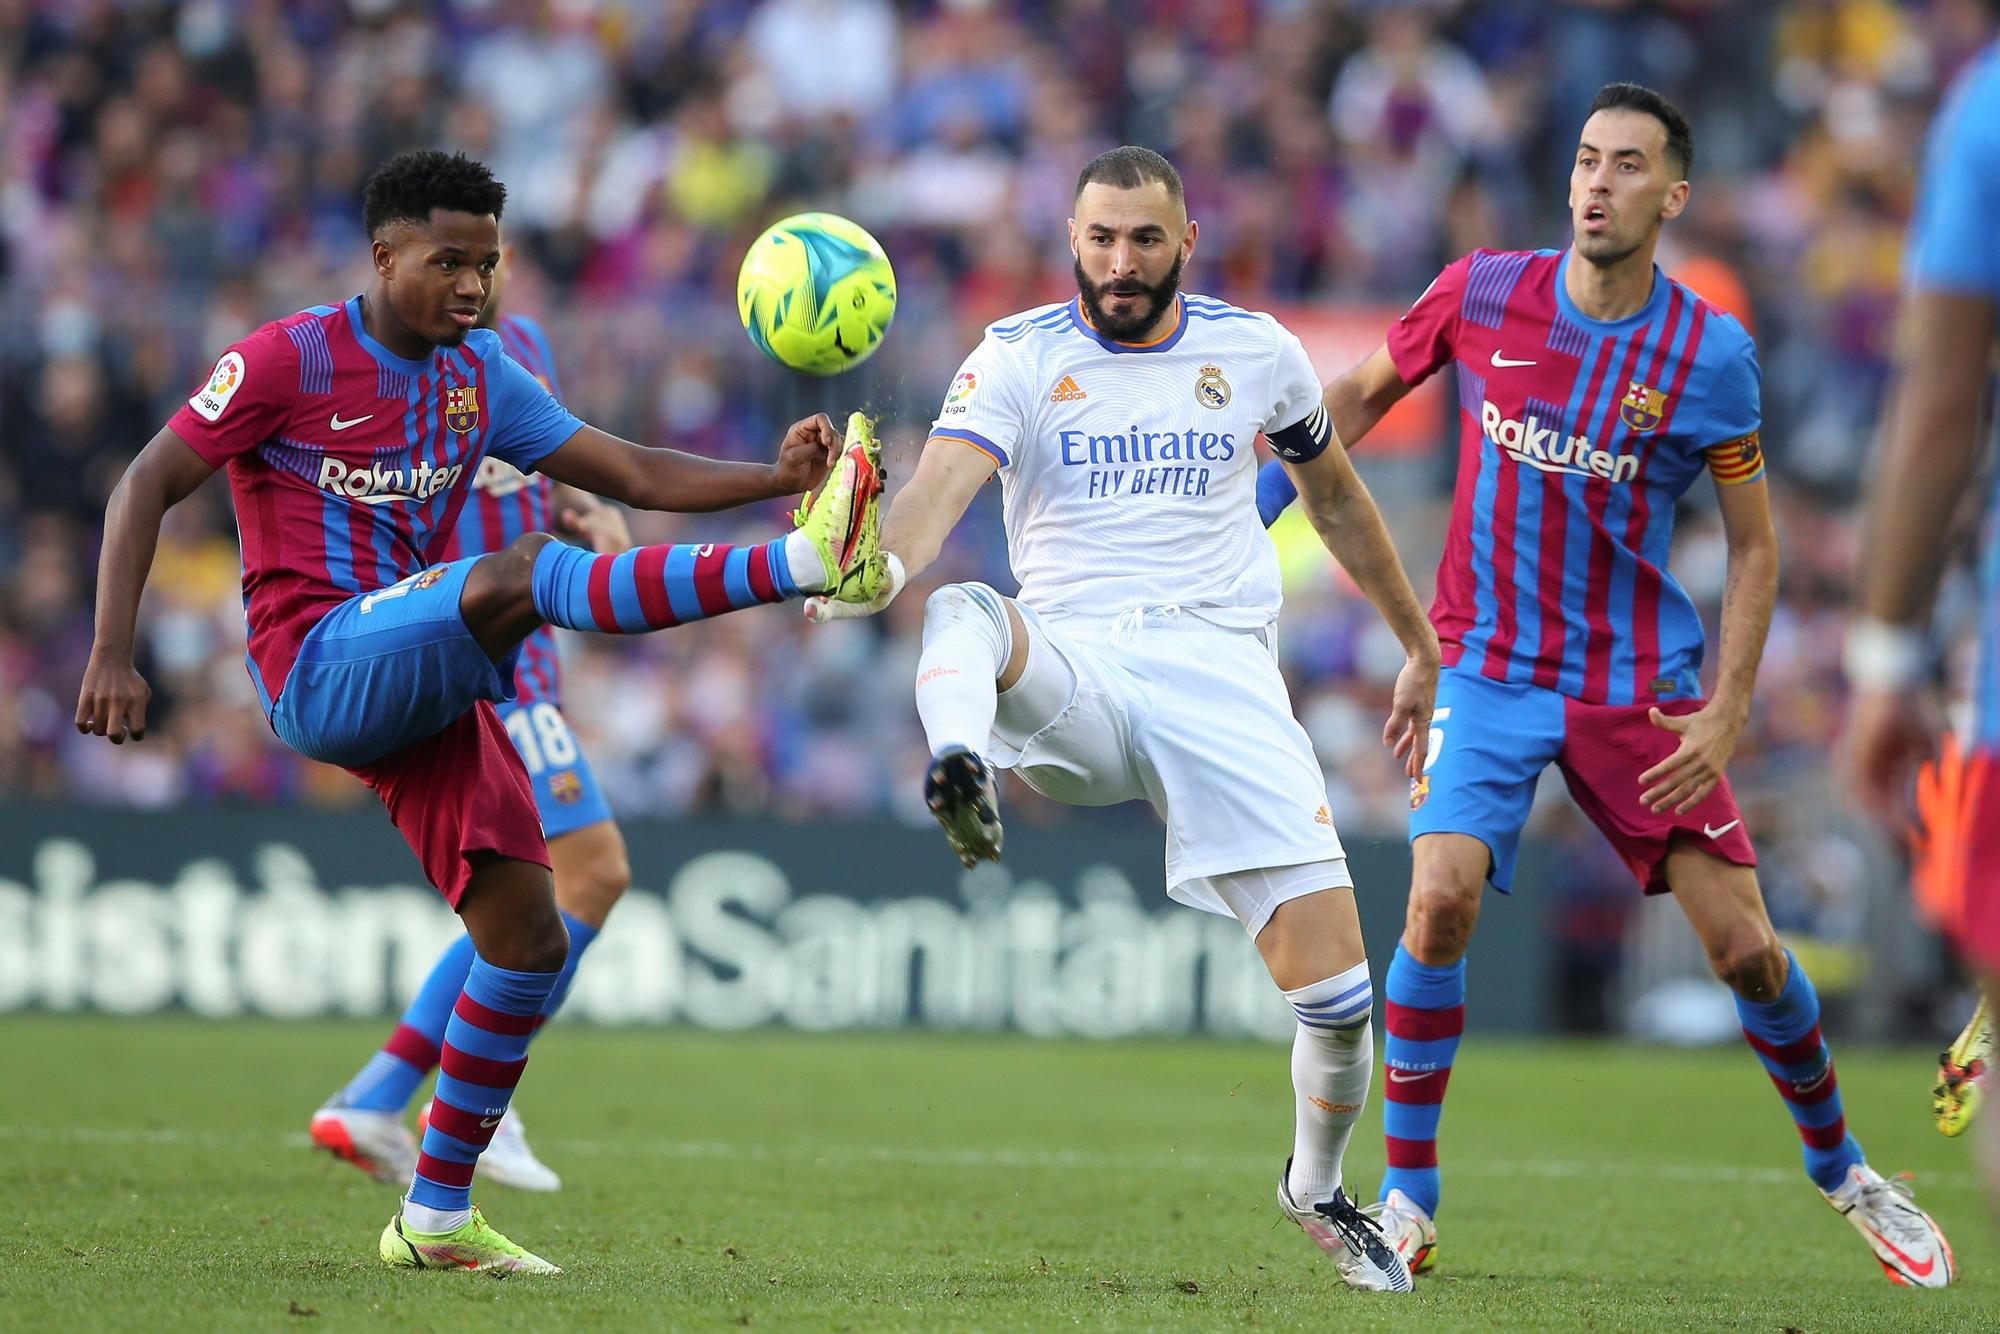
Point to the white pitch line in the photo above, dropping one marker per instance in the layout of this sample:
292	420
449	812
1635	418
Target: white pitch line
976	1159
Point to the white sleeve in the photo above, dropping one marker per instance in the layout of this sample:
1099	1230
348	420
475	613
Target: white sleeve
1295	386
984	407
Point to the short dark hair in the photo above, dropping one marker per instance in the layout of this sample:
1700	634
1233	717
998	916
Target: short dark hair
410	185
1128	168
1638	97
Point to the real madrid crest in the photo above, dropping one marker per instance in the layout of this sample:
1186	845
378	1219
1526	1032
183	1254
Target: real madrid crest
461	408
1210	389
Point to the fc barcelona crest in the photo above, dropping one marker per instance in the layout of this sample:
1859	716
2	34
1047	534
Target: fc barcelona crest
1643	407
461	408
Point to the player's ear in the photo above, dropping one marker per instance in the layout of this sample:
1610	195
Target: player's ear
384	256
1188	240
1676	202
1074	252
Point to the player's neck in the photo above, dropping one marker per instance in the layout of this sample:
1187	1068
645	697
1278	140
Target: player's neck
1610	292
382	326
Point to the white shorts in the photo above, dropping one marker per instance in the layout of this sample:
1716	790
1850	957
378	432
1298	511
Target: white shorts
1193	718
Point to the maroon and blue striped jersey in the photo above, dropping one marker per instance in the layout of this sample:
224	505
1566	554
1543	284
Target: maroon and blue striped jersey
1577	438
349	464
506	502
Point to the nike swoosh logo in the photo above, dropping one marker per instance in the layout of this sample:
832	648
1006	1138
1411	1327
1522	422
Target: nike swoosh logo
1718	833
1919	1270
340	425
1408	1076
488	1122
1504	362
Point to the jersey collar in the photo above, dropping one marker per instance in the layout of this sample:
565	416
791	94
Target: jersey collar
1656	301
1160	344
375	349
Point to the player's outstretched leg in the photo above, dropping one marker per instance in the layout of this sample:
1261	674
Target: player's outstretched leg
1779	1011
520	949
834	550
1962	1072
1308	931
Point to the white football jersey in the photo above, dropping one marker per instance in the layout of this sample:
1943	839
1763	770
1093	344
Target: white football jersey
1128	472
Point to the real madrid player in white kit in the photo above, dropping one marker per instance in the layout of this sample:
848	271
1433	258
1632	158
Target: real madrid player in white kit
1137	659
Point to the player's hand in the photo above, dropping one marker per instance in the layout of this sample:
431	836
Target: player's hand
1408	731
601	526
1683	780
810	449
112	703
820	610
1889	733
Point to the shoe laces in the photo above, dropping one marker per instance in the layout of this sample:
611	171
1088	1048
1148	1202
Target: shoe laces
1891	1205
1355	1228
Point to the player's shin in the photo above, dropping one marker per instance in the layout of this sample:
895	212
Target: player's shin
1424	1021
652	588
1333	1052
967	640
485	1050
1785	1033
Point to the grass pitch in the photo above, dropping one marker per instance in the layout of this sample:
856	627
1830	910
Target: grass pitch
155	1176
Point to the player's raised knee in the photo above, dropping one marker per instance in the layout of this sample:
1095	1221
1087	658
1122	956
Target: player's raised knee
960	602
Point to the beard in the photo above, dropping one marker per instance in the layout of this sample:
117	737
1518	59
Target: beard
1151	301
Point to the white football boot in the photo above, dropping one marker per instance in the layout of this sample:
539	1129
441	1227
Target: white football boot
508	1161
1350	1237
1907	1244
1407	1229
376	1142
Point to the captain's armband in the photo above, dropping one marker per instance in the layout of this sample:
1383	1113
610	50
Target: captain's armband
1304	439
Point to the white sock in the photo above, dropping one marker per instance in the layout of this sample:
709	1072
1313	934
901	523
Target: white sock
423	1218
966	643
1333	1055
808	570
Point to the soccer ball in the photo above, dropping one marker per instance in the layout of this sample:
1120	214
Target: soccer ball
816	293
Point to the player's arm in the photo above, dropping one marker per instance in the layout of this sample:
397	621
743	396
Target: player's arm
668	479
112	701
1708	736
1930	449
1354	403
600	526
1345	516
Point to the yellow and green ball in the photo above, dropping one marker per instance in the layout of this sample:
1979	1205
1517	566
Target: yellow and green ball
817	293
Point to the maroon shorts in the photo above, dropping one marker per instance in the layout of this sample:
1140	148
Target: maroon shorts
1957	869
1605	749
460	791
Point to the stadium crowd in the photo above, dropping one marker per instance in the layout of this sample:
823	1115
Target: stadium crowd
172	175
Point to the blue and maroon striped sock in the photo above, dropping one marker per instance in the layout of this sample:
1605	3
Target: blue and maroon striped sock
1785	1033
652	588
1423	1019
485	1049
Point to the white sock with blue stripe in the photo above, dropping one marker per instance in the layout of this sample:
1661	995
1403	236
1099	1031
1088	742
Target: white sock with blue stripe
1333	1055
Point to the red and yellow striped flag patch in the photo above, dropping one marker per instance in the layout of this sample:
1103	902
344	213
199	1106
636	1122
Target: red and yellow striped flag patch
1734	462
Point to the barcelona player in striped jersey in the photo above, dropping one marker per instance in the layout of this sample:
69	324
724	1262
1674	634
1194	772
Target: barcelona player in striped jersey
363	1123
1936	433
1593	391
351	434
